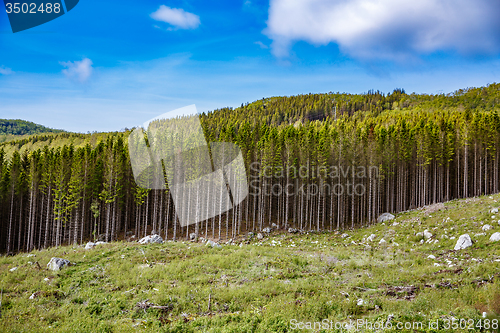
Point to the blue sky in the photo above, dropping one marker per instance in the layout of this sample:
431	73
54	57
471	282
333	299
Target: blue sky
107	65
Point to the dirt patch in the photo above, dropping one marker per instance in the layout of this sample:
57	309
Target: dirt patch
403	292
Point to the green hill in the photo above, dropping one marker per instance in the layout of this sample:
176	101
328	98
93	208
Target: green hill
277	284
22	127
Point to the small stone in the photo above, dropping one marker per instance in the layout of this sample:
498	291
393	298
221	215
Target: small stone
292	230
431	256
344	235
260	236
371	237
495	237
13	269
486	227
463	242
360	302
427	234
212	244
267	230
382	241
193	236
494	210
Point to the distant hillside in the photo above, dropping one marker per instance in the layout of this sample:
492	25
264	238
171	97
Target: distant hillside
22	127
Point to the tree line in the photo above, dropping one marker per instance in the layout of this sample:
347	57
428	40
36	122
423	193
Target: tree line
334	173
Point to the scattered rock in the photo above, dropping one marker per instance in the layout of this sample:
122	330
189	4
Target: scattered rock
395	224
55	264
151	239
495	237
427	234
371	237
13	269
431	256
267	230
486	227
494	210
100	243
360	302
260	236
463	242
213	244
274	226
292	230
193	236
89	245
385	217
344	235
382	241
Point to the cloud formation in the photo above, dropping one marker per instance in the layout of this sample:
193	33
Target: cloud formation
79	71
176	17
386	29
5	70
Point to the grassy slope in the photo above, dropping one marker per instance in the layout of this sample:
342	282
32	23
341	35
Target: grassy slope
261	286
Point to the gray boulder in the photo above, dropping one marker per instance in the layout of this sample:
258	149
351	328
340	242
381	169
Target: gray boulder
267	230
151	239
385	217
463	242
193	236
260	236
55	264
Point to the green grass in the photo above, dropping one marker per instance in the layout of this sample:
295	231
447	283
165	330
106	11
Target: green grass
263	286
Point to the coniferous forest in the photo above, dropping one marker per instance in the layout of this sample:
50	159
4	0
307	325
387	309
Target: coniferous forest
314	162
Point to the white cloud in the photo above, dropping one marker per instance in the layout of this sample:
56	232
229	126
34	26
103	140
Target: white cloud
79	71
176	17
5	70
386	29
262	45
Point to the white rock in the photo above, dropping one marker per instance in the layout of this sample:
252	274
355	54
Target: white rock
100	243
395	224
292	230
55	264
151	239
385	217
371	237
89	245
436	264
480	234
486	227
463	242
431	256
267	230
495	237
382	241
212	244
494	210
193	236
484	314
46	279
427	234
344	235
453	237
13	269
33	296
260	236
360	302
274	226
